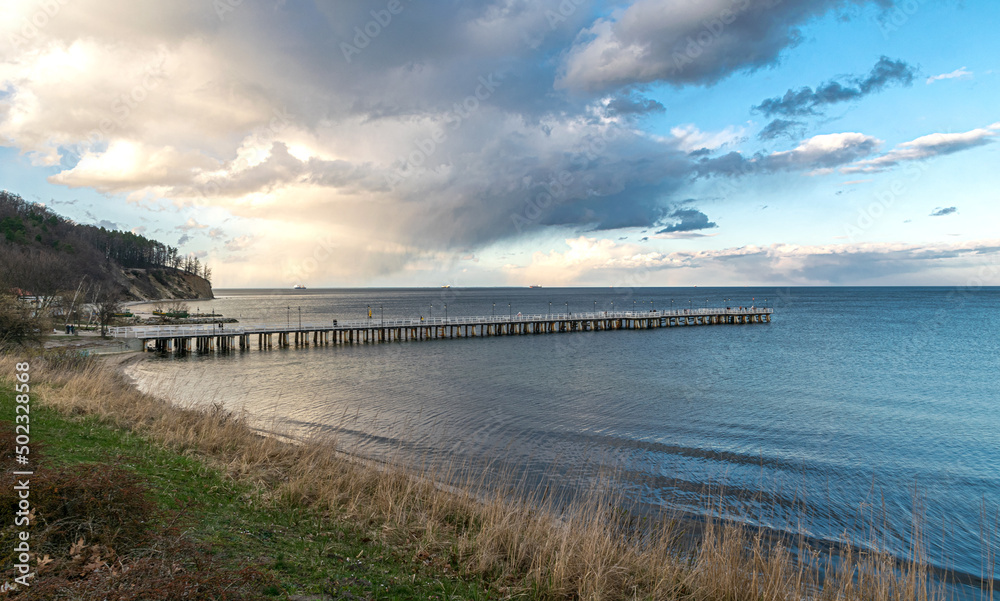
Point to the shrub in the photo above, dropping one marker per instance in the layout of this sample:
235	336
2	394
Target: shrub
19	324
101	504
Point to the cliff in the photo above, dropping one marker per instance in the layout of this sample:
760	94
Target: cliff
165	283
49	255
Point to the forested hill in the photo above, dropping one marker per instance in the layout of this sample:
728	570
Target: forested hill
45	254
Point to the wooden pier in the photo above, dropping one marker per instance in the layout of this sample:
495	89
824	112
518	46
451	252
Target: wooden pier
208	338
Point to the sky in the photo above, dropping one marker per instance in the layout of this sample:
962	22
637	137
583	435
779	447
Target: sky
509	142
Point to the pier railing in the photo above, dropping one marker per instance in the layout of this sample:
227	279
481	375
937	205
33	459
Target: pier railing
221	329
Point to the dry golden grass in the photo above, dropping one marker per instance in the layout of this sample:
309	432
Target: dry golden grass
516	541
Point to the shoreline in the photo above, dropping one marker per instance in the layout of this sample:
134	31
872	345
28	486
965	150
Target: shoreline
693	524
512	545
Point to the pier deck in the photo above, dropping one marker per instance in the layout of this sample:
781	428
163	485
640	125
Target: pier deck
227	337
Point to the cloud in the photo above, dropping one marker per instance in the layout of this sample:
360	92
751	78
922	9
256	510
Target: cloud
125	166
806	101
488	118
240	243
633	104
782	128
817	155
108	225
685	42
824	152
691	139
139	230
184	239
594	261
688	220
941	212
961	73
191	224
926	147
449	117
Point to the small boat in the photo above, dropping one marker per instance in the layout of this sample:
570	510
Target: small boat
535	286
446	286
298	287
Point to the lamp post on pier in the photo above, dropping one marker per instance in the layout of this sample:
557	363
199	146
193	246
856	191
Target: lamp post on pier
381	316
288	317
446	311
510	313
300	318
567	308
494	309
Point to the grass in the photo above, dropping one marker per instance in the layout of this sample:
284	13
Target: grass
275	520
297	550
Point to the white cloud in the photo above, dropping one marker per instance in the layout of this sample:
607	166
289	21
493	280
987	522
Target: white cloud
690	138
594	261
961	73
191	224
823	152
127	166
926	147
240	243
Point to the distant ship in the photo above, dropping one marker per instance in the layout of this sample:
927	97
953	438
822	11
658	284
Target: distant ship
446	286
535	286
298	287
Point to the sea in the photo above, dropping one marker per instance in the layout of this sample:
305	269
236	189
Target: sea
858	415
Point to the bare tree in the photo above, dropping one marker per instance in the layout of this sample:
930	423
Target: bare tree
40	274
107	301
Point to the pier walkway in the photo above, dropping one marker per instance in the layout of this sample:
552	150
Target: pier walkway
203	338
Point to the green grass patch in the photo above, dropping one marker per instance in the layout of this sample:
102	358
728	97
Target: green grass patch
292	552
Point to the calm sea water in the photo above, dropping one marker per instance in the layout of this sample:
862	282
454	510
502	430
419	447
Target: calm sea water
853	403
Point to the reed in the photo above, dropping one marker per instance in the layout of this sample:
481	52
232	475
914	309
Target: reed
523	543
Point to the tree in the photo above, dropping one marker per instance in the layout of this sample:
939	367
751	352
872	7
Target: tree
107	302
20	323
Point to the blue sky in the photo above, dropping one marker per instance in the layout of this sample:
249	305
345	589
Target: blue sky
505	142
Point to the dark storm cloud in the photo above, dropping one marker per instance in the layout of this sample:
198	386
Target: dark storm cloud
807	101
428	55
343	114
687	42
633	104
688	220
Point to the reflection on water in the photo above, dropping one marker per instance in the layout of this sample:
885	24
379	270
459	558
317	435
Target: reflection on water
850	399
